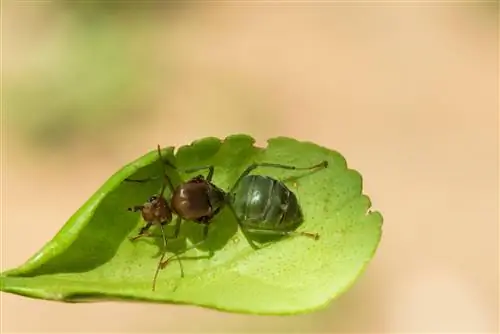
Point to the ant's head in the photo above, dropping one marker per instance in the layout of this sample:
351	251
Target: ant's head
155	210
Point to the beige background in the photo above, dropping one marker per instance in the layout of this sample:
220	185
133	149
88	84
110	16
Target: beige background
409	95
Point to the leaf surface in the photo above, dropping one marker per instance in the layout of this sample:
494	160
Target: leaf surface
92	259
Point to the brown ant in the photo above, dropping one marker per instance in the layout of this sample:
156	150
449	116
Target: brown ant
197	199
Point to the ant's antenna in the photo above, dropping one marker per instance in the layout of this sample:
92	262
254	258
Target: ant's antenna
164	172
167	179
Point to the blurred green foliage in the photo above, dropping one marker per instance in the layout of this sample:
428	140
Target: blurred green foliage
89	81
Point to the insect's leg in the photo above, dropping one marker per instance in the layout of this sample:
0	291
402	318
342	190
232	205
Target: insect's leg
136	208
314	236
167	180
195	169
190	170
176	235
142	232
162	256
250	168
205	235
142	180
165	240
168	163
177	227
243	228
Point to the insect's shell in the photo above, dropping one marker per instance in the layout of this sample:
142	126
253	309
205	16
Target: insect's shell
262	202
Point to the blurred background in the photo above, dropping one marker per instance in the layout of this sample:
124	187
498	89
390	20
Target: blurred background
408	93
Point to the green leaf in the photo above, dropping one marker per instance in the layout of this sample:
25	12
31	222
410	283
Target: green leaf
91	258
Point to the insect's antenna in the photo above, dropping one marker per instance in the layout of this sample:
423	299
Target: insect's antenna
164	172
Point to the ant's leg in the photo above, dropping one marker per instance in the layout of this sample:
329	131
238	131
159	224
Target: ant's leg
250	168
148	179
243	228
314	236
210	171
165	176
142	232
153	177
136	208
163	255
145	233
190	170
176	235
195	169
205	235
169	164
177	227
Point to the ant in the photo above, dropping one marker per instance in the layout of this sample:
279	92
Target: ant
260	204
198	200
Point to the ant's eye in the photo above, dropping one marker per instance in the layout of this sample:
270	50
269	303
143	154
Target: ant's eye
153	198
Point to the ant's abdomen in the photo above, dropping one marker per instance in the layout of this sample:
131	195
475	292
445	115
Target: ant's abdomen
262	202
